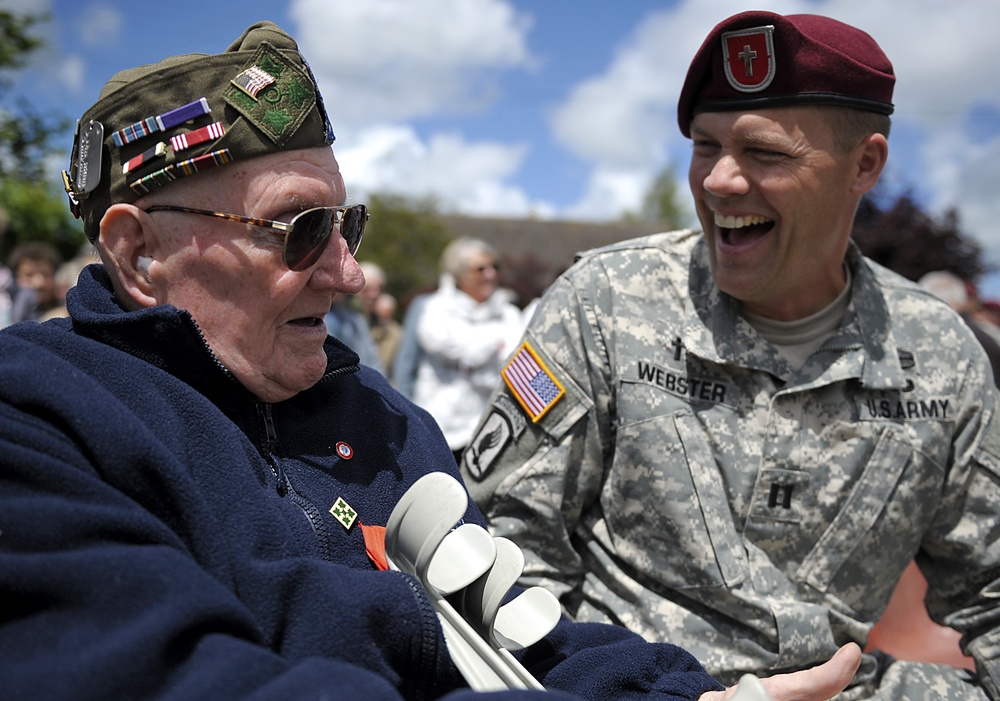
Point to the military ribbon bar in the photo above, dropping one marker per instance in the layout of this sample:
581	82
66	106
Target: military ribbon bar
198	136
147	155
204	162
534	387
167	120
161	177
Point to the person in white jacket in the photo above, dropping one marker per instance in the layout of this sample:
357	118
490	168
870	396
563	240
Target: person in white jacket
467	329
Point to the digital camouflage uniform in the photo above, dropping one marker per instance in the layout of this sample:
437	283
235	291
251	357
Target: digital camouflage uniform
683	480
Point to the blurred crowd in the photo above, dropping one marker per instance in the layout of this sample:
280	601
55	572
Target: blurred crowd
473	322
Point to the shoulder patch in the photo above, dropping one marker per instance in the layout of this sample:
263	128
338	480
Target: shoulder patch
493	437
532	384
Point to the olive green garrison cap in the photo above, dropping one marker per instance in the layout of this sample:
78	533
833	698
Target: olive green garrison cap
157	123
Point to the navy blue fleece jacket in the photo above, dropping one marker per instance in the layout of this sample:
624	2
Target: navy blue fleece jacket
165	535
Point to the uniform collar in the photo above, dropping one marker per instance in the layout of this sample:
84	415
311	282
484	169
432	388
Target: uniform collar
716	331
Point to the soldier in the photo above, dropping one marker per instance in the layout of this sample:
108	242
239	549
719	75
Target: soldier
737	439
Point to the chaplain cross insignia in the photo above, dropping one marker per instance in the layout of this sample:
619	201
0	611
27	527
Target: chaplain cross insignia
343	512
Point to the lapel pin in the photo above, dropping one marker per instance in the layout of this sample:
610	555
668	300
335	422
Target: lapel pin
253	80
343	513
345	451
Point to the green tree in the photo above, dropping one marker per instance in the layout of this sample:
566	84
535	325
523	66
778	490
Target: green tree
35	205
17	42
664	203
405	238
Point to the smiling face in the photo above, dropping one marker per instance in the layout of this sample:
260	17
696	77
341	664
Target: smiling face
776	199
263	321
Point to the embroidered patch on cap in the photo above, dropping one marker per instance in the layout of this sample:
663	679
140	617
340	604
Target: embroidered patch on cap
279	107
748	55
534	387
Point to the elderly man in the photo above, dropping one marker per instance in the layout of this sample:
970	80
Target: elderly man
194	477
738	439
465	330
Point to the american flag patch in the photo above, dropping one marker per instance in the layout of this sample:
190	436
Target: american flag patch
253	80
534	387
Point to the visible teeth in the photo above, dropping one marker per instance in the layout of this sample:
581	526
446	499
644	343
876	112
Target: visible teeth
731	222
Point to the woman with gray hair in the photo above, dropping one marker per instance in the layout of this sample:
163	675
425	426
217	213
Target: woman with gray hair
466	330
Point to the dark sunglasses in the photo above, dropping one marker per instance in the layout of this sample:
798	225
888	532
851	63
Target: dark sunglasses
306	235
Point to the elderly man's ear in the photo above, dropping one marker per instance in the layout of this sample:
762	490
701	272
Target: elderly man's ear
127	233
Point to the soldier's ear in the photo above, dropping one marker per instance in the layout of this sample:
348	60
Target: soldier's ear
871	156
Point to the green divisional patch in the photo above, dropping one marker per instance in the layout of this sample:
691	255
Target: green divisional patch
272	93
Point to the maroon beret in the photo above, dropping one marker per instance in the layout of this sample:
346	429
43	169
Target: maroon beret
755	60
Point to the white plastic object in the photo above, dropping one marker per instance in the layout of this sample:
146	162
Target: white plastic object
464	555
750	688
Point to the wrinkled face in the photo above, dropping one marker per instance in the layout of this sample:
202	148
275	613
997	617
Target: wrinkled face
263	321
775	202
481	276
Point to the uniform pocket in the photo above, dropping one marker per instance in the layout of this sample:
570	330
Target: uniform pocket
874	525
666	506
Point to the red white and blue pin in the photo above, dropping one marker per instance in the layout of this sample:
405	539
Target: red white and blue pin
344	450
253	80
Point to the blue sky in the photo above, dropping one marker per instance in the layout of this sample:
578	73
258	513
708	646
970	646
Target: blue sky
550	108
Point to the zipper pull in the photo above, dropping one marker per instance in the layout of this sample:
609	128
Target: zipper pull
270	442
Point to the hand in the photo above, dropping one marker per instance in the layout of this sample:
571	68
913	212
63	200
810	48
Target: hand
817	684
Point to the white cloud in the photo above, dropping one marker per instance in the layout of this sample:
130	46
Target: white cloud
623	120
942	52
626	116
69	73
101	25
382	62
391	60
609	193
461	176
974	192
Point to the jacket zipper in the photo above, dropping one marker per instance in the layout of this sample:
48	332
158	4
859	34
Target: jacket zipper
314	516
284	486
